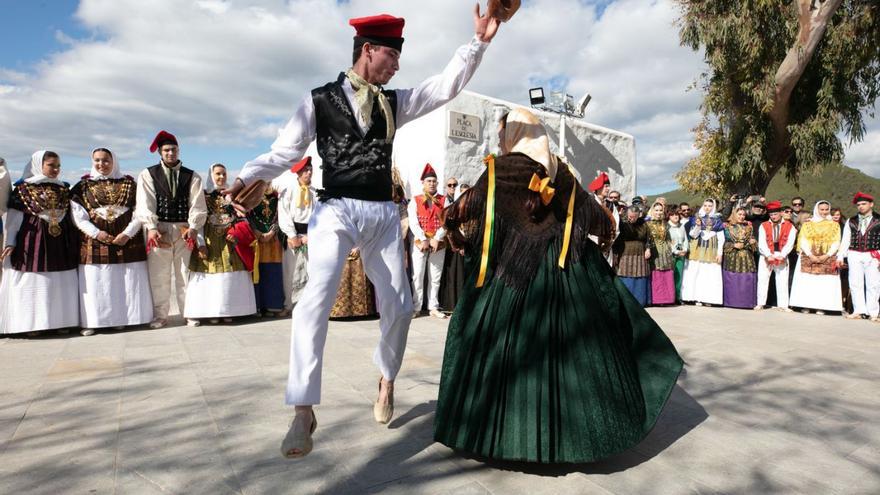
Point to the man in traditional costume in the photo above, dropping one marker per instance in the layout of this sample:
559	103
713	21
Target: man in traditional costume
171	205
861	248
600	187
775	241
354	121
295	207
428	246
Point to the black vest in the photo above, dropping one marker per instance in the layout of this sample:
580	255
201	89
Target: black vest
870	240
353	165
170	209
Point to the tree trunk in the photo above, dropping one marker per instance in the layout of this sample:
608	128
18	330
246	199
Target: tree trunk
813	22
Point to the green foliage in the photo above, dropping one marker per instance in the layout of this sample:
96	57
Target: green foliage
745	42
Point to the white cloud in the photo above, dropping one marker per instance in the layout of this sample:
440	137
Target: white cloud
227	73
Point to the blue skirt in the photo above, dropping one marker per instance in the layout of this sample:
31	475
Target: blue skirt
270	291
638	287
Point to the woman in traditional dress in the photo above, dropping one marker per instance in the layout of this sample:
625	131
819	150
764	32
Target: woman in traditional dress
703	283
678	239
662	259
114	283
40	288
816	282
269	274
452	278
739	271
355	296
632	250
548	356
219	286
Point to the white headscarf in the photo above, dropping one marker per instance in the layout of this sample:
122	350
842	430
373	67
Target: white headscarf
209	183
33	171
114	170
524	133
816	216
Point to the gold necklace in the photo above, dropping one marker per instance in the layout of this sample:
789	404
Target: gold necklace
49	202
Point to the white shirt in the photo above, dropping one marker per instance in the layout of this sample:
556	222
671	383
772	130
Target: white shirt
294	138
289	213
764	249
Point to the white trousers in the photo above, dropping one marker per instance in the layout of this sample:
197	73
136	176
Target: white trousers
336	226
165	265
434	262
864	283
764	273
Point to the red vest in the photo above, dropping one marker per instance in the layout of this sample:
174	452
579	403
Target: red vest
784	231
429	217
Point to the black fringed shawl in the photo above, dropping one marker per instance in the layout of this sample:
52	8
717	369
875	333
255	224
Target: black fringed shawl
521	242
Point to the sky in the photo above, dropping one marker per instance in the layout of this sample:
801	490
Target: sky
224	75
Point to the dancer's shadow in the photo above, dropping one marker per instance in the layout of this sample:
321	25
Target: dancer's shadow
414	413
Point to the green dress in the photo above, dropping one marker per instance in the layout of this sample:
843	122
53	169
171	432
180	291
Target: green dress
544	364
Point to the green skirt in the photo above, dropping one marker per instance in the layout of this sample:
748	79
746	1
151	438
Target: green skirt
570	369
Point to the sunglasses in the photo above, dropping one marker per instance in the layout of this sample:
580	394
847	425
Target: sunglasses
452	185
797	204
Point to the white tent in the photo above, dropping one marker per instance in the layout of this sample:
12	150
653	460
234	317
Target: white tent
456	137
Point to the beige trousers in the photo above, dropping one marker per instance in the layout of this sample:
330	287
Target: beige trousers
166	265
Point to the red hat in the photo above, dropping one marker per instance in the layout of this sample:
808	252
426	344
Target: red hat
161	139
774	206
860	196
382	29
298	166
428	172
599	182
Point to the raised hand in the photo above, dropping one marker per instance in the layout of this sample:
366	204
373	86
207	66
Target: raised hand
485	27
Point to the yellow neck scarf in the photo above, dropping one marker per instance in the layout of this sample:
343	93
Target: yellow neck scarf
364	95
302	198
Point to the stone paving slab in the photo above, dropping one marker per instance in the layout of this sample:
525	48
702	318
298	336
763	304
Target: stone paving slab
769	402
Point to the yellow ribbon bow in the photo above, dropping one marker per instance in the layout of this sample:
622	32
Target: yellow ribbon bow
303	198
542	187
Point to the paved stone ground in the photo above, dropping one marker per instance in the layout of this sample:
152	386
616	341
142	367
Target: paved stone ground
770	402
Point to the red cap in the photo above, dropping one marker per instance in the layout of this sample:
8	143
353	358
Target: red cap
774	206
860	196
298	166
599	182
428	172
161	139
378	26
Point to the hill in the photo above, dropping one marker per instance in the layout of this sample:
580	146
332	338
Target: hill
837	184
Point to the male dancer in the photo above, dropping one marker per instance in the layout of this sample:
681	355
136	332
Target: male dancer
775	240
860	245
354	121
171	205
427	245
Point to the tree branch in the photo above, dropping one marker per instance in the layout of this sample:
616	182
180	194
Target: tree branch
813	23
